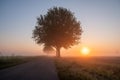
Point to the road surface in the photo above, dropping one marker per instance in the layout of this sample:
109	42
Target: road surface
40	69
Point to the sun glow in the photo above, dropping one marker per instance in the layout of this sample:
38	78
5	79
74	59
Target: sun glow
85	50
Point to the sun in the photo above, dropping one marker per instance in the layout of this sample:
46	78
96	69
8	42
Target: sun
85	50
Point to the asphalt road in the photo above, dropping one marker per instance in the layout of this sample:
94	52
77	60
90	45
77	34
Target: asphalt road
40	69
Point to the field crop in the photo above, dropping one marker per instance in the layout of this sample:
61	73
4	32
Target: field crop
94	68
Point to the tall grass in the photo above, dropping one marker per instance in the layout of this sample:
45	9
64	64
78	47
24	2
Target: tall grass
8	61
88	69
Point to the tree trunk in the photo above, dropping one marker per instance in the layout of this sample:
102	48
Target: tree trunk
58	51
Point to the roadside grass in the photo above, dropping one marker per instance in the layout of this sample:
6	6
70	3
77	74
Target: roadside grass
9	61
88	68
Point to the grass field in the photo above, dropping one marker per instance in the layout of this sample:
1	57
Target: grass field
79	68
8	61
94	68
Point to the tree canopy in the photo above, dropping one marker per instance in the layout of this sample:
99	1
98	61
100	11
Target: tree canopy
57	29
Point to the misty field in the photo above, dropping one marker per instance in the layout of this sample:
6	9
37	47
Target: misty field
9	61
94	68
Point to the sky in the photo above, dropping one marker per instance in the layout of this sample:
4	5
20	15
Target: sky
100	21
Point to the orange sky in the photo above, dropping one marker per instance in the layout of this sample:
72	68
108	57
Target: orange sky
100	21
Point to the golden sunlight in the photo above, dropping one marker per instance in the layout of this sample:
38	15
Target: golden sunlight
85	50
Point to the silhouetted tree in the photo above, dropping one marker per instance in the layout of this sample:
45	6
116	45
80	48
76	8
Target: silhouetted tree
56	29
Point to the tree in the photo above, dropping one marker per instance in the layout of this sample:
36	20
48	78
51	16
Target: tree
57	29
48	49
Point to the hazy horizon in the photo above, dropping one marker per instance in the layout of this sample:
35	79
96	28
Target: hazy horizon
100	20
